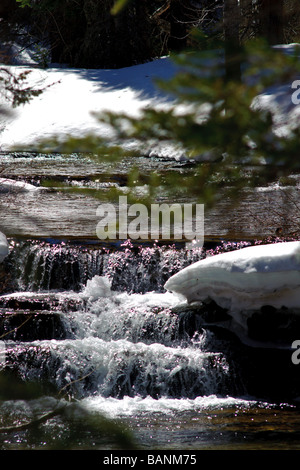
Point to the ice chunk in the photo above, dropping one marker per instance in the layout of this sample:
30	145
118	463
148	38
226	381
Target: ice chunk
244	279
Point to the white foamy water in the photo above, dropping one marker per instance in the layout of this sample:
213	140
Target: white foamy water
125	345
122	315
145	360
124	368
131	407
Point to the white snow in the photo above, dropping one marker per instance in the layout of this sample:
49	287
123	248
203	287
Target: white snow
283	100
69	105
4	249
10	185
244	280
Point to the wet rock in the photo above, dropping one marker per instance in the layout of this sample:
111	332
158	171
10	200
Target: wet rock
29	326
261	362
278	326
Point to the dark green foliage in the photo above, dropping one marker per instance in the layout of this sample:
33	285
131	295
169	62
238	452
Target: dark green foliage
218	122
102	33
15	88
215	122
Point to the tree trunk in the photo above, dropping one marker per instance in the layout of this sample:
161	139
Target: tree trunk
178	26
231	20
272	21
7	7
246	6
113	41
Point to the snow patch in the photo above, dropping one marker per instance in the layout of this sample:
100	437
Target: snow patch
69	107
9	185
72	99
245	279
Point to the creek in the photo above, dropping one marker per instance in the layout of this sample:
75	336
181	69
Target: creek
90	336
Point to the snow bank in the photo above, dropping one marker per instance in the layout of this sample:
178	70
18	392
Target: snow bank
9	185
4	250
282	100
67	105
245	279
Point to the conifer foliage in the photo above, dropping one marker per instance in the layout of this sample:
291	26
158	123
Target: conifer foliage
221	48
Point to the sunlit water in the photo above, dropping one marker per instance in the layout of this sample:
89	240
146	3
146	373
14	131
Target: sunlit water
130	353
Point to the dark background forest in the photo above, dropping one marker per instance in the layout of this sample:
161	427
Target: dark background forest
84	33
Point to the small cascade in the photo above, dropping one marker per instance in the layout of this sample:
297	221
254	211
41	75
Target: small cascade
128	345
92	366
43	266
92	321
87	321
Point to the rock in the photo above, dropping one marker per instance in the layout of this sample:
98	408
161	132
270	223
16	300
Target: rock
29	326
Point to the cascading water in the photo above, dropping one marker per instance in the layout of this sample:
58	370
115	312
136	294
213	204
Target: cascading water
96	326
130	342
91	326
43	266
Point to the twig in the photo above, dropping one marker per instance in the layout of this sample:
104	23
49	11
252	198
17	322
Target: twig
14	329
161	10
76	380
35	422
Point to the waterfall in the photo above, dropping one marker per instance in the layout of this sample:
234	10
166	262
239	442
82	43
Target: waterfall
121	368
39	265
114	331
